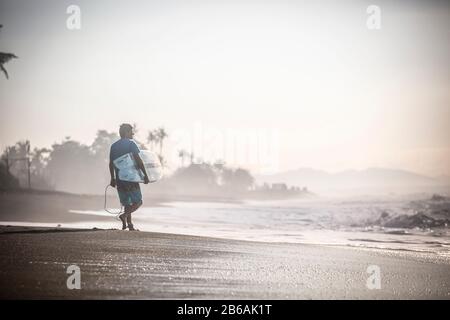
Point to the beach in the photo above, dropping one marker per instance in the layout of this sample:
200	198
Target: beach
146	265
206	250
226	150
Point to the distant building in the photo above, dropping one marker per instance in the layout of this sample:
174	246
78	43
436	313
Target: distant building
279	187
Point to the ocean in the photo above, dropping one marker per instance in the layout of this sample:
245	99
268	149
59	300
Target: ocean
420	225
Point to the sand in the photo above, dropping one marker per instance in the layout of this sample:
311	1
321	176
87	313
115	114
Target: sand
143	265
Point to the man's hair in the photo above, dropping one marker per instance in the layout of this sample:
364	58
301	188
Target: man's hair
124	129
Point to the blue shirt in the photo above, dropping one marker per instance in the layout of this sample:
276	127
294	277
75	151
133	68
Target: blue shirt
118	149
121	147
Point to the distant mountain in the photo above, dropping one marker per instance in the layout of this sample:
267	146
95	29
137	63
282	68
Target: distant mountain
359	181
445	180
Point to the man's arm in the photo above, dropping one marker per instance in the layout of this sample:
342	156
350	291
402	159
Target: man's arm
142	167
112	173
135	151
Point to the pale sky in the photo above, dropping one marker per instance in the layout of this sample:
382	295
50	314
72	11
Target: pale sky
308	78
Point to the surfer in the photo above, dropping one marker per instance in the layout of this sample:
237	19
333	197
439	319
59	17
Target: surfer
129	192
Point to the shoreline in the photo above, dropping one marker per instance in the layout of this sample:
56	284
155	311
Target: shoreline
149	265
419	255
74	211
157	197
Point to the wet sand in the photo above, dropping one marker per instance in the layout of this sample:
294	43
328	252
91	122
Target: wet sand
142	265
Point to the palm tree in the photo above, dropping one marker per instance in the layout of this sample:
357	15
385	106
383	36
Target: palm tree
162	161
152	138
135	128
4	58
161	134
182	154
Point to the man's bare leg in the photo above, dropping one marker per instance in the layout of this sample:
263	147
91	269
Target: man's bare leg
123	216
132	209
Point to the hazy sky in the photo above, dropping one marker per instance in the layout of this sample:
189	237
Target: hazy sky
308	78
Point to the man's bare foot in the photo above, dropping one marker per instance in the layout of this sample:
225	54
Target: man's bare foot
123	219
131	228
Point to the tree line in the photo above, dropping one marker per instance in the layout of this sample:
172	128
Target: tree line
75	167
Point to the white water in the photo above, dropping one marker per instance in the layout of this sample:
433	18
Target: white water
332	222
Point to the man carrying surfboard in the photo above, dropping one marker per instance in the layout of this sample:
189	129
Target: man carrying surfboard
129	192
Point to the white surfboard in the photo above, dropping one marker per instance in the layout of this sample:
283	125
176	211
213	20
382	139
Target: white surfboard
128	170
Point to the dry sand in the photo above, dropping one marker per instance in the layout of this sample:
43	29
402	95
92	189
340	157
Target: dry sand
142	265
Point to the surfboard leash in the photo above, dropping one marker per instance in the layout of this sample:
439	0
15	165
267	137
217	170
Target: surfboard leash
106	208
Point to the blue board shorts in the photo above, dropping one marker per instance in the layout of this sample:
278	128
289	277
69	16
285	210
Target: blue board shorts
129	193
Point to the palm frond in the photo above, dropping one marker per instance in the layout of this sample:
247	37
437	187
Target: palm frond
5	57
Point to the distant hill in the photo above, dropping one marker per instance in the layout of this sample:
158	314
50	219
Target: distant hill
371	180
